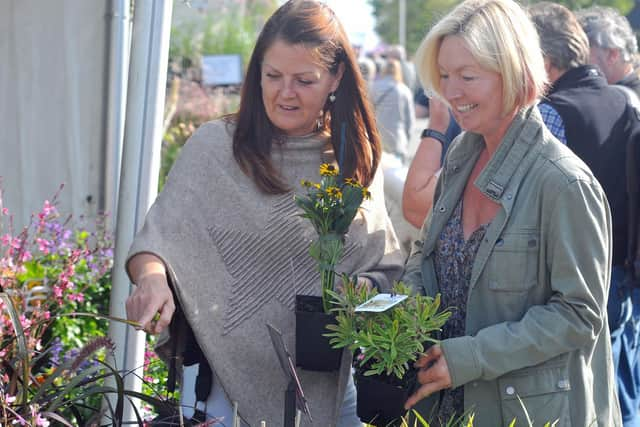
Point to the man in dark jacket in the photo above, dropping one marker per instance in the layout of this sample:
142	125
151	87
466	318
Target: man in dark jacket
598	122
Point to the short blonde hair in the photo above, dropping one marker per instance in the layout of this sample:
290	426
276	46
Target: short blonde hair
501	38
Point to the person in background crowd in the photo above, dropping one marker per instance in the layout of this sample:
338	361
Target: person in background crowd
614	49
518	242
598	123
612	45
393	104
368	70
395	119
225	236
398	53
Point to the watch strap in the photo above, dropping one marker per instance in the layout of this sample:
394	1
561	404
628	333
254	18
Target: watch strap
438	136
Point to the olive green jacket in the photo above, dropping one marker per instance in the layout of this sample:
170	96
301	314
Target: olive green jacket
536	325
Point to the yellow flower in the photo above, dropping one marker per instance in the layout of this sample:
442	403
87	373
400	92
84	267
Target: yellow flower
315	185
306	183
334	192
352	182
366	194
327	169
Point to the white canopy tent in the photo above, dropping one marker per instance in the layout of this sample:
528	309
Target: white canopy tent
63	87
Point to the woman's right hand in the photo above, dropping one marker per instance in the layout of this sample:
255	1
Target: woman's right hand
439	115
151	304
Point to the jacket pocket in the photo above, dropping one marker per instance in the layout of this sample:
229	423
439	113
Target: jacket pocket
540	395
513	263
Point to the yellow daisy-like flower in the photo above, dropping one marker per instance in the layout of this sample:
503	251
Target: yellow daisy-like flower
327	169
366	194
315	185
352	182
334	192
306	183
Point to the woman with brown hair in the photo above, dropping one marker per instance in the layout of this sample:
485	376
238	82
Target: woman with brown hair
225	236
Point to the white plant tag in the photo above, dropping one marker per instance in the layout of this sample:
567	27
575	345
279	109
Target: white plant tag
381	302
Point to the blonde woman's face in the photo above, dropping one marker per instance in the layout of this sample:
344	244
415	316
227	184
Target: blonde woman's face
474	93
294	87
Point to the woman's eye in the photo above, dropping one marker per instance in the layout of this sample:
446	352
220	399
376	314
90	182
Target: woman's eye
305	82
272	76
468	78
444	76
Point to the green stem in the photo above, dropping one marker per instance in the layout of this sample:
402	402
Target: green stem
327	279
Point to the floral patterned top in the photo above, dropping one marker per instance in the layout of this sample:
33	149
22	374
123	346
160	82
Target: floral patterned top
454	259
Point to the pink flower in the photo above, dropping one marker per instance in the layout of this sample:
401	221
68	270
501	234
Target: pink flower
16	243
48	208
57	291
25	256
43	245
38	418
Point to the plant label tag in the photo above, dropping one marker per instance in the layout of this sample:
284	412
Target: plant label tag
381	302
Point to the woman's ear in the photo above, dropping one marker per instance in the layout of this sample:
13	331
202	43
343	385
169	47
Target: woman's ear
338	77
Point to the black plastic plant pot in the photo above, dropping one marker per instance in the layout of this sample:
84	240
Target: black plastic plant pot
381	402
313	351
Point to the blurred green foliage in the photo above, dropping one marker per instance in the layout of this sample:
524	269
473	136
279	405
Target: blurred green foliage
228	29
422	15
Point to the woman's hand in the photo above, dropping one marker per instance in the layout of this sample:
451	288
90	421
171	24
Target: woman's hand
151	304
433	375
439	116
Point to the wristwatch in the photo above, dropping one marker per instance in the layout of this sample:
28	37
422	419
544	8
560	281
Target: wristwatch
438	136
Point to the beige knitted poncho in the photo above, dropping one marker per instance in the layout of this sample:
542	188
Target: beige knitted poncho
239	257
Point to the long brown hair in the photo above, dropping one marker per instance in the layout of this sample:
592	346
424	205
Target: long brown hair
315	26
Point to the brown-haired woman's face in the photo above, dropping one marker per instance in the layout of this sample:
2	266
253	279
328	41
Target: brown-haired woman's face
295	87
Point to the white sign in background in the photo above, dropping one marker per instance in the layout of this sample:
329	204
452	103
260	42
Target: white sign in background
222	69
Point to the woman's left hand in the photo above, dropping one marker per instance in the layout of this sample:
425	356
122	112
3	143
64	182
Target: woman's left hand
433	375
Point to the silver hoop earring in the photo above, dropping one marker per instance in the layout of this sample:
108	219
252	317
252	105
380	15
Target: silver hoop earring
332	97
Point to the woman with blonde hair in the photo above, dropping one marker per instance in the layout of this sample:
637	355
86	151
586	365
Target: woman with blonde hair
518	241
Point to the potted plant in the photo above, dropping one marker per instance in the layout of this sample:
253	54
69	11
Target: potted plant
330	206
386	340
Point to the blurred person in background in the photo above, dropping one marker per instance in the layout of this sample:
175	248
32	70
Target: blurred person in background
398	53
612	45
393	105
601	126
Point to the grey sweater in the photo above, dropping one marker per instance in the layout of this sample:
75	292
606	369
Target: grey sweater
237	258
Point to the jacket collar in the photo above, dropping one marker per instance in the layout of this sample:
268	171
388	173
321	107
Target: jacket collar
582	76
495	178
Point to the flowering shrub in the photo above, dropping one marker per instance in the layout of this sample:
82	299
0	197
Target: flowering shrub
48	371
330	205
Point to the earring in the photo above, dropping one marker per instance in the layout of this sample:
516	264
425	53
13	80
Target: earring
332	97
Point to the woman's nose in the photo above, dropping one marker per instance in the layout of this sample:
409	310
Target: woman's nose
287	90
451	90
